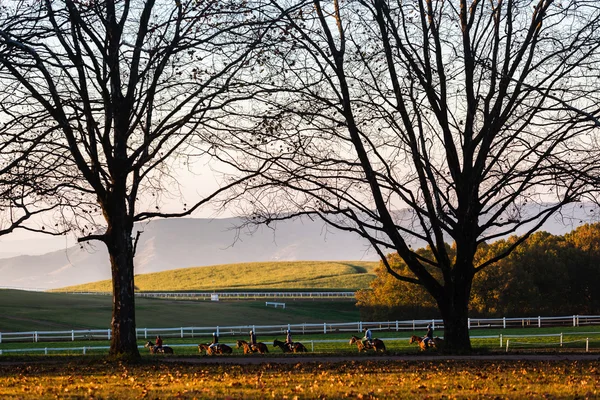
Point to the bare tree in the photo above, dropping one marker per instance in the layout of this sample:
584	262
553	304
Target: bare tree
127	84
430	122
31	177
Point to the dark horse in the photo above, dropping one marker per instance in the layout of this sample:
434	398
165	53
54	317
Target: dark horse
296	347
160	350
248	348
220	349
375	345
436	342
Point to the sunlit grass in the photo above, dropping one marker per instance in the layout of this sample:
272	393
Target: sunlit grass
314	275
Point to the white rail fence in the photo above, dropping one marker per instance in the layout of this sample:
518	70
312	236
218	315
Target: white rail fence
512	341
232	295
324	328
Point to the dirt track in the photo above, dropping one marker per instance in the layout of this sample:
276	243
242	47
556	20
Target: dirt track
256	359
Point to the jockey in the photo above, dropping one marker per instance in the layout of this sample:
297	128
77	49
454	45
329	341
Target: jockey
215	342
252	338
288	339
367	339
159	343
428	336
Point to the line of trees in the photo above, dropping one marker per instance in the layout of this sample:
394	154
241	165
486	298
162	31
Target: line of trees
466	113
546	275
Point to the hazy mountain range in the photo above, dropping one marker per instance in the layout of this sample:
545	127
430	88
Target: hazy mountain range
188	242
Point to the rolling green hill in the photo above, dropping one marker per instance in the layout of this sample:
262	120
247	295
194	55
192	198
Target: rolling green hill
301	275
22	311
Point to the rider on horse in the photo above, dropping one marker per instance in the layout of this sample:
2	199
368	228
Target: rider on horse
252	340
428	339
215	342
159	343
288	340
367	340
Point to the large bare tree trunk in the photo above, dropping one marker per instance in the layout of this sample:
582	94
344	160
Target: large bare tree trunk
454	309
121	251
123	341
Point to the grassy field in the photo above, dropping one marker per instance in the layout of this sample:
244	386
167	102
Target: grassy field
483	341
314	275
29	311
95	379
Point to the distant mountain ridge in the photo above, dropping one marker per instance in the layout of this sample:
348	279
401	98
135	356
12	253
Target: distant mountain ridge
190	242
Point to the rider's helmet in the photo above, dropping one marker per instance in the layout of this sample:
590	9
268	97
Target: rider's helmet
214	334
251	332
288	331
428	326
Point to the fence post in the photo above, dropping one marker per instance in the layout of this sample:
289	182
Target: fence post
574	321
396	330
182	332
35	336
413	324
539	321
72	335
587	344
360	326
46	351
324	327
469	323
84	350
312	346
108	330
504	322
500	340
507	340
561	339
433	324
0	337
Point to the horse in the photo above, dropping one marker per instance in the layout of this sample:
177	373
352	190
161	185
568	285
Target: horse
220	349
160	350
296	347
436	342
252	348
375	345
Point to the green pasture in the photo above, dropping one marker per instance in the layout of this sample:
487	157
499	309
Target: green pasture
284	275
38	311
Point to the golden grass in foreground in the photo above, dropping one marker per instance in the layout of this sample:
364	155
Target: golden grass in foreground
358	380
316	275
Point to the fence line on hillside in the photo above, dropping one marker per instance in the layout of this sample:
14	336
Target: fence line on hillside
305	328
215	296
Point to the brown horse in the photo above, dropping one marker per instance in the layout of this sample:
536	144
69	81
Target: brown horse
375	345
436	342
160	350
220	349
296	347
252	348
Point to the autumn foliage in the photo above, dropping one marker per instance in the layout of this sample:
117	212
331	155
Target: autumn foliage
546	275
349	379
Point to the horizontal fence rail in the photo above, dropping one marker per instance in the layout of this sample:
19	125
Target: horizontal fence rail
320	328
215	296
525	341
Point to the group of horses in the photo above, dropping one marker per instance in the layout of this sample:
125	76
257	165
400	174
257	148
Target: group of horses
376	345
249	348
